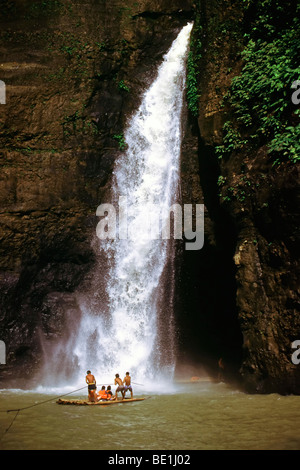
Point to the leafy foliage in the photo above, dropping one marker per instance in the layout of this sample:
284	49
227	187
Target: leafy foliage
193	60
192	87
121	141
259	100
122	86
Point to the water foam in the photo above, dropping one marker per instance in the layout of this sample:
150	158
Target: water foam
135	331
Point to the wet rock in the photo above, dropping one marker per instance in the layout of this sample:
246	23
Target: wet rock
262	202
74	74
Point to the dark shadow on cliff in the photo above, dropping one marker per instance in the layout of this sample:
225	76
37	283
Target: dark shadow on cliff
207	286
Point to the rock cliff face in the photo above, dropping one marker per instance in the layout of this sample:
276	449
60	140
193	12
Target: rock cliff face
259	197
74	72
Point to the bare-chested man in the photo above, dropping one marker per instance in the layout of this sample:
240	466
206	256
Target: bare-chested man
91	381
127	383
120	388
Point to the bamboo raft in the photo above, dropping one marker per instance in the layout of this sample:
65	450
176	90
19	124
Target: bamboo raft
101	403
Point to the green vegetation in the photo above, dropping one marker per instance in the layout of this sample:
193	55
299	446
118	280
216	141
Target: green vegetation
77	123
287	144
221	180
192	87
260	111
121	141
56	76
123	86
79	53
72	46
193	68
101	45
239	191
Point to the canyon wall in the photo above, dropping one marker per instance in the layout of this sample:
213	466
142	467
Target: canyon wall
74	72
256	190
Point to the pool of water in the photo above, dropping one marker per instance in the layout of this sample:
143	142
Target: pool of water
194	416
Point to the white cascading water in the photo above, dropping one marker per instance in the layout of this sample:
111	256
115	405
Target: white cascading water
134	330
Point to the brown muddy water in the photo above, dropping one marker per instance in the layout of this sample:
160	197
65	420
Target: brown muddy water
196	416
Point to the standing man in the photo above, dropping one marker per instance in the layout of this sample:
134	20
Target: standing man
91	381
127	383
120	388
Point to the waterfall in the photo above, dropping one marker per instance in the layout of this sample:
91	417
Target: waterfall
130	327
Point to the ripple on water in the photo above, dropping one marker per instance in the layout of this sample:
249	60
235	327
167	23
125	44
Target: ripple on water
199	417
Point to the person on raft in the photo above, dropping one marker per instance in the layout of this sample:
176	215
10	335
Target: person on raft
120	387
127	383
102	394
91	381
110	395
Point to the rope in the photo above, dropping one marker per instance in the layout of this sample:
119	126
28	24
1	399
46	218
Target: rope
17	410
11	423
35	404
46	401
